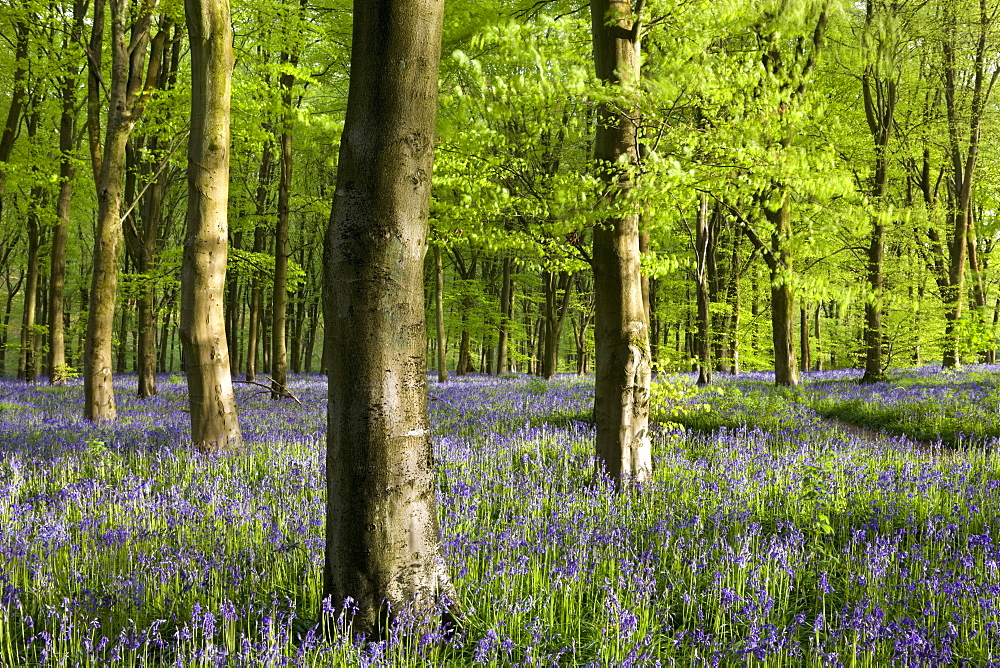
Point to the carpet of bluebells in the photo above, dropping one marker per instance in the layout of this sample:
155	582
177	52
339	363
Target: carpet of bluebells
769	534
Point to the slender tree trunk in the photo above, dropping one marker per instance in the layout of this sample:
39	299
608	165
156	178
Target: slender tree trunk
621	389
279	300
805	363
256	290
506	314
4	334
963	166
818	356
879	96
383	542
233	295
214	426
442	357
57	258
27	361
733	299
126	104
17	98
555	316
703	338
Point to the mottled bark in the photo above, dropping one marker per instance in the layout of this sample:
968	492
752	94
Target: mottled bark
383	542
214	426
622	364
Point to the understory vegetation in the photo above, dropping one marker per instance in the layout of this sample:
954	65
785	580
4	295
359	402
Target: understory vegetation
767	536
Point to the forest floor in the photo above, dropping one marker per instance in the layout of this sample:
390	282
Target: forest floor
832	524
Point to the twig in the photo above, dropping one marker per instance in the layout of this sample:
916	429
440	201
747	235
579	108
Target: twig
285	393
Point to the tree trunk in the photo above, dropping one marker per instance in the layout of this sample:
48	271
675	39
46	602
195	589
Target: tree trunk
879	95
703	337
256	290
57	258
963	167
214	426
17	98
27	360
383	542
805	363
733	300
279	301
442	357
555	317
506	315
126	105
621	389
818	356
4	333
786	371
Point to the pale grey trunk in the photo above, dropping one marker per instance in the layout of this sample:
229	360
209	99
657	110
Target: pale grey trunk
214	426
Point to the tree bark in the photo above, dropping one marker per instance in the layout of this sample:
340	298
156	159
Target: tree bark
621	388
383	542
126	104
214	426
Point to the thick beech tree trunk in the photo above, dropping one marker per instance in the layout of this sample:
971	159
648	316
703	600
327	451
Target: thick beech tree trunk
214	426
622	364
383	542
128	51
442	357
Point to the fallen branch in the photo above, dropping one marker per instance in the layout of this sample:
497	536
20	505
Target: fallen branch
285	393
